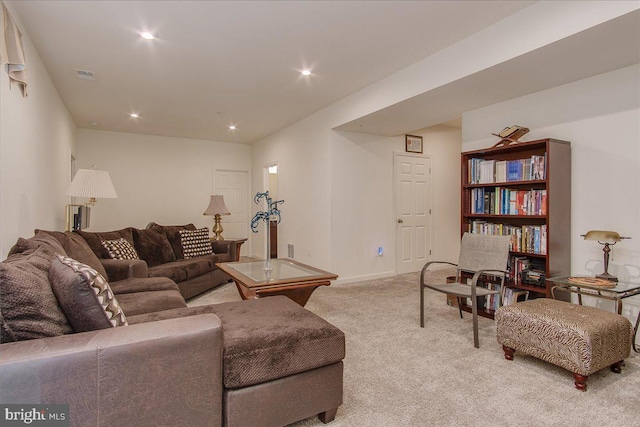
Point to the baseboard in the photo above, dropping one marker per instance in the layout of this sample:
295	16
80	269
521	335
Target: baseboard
363	278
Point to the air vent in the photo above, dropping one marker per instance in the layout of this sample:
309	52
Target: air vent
85	75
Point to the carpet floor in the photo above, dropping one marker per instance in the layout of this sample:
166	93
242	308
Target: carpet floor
398	374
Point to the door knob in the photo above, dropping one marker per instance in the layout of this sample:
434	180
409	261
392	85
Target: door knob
400	221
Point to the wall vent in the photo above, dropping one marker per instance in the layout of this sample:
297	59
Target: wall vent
85	75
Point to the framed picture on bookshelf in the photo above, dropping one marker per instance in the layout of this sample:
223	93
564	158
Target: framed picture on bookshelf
413	144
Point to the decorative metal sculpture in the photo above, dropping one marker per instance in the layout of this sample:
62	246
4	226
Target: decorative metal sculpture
272	214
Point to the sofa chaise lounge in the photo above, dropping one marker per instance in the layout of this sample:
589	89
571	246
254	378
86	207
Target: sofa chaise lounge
264	362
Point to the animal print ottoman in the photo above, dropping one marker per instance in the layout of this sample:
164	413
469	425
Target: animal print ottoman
580	339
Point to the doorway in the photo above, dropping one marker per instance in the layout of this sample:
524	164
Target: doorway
271	185
412	179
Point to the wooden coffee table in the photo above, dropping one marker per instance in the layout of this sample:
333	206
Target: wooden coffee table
286	277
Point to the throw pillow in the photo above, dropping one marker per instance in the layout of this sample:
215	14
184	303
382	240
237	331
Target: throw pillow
84	295
153	246
28	306
173	235
195	243
120	249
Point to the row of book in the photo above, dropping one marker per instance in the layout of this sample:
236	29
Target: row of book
524	238
487	171
494	301
508	201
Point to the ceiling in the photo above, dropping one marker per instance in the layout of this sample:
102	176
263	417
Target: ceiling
219	63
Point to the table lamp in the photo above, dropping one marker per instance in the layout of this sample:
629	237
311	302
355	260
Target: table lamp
217	208
606	238
92	184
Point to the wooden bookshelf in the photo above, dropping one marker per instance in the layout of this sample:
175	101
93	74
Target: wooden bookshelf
530	201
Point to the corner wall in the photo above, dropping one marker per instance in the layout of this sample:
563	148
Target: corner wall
37	138
363	213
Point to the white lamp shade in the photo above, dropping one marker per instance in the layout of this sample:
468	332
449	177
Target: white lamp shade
217	206
92	183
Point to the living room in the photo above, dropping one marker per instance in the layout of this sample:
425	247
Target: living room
337	183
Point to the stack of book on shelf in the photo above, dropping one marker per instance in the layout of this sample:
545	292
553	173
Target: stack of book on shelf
526	271
507	201
487	171
512	295
524	238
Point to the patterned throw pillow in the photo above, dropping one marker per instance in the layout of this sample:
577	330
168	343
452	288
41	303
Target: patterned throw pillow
195	242
84	295
120	249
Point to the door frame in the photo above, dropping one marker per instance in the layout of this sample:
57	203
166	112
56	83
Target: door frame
429	239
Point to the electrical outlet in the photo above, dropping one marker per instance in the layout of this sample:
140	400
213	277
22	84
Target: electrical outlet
290	250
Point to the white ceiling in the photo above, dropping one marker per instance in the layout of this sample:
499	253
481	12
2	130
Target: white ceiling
221	63
606	47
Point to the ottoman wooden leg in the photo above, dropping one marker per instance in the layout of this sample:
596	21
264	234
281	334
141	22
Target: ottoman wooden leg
617	367
581	381
508	352
328	416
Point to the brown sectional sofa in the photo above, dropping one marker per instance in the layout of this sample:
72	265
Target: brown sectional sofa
264	362
160	248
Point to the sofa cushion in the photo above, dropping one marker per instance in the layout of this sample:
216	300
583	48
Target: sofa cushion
195	242
45	240
150	301
95	239
173	235
77	248
267	338
153	246
120	249
185	269
28	307
135	285
84	296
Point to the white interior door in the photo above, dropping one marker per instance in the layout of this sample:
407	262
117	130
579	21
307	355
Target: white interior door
413	212
234	187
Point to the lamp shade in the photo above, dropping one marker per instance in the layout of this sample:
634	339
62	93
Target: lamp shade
603	236
217	206
92	183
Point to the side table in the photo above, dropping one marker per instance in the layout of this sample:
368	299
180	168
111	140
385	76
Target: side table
231	241
617	292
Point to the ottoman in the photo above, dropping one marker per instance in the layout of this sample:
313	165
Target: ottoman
580	339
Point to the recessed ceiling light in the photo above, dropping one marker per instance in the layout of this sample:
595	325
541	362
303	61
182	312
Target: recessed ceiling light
147	35
305	72
134	115
232	127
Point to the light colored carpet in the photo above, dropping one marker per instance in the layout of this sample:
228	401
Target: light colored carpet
398	374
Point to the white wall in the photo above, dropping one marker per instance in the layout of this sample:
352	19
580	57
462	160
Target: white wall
162	179
363	215
601	117
37	137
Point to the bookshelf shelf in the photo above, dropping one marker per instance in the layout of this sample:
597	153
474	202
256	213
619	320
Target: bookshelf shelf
524	190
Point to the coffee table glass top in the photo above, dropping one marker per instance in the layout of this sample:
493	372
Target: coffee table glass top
282	271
